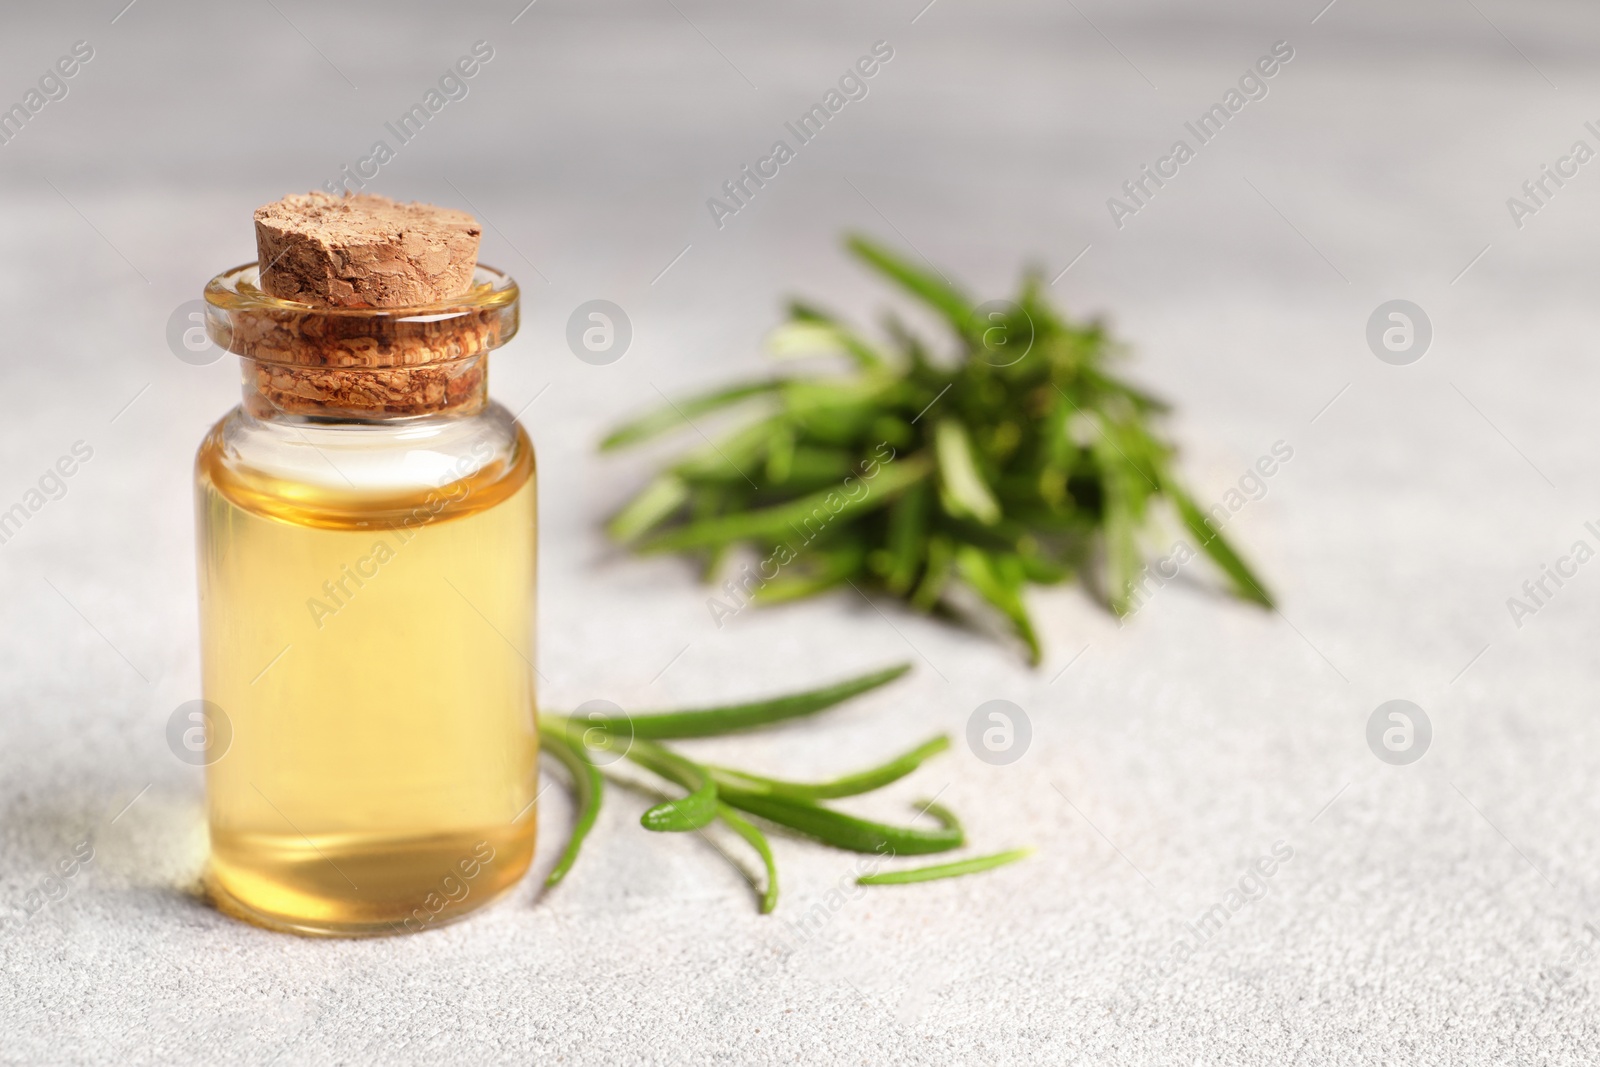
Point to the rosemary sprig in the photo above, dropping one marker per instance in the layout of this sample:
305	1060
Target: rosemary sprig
945	870
587	788
690	812
709	722
846	831
1017	459
849	786
730	795
758	840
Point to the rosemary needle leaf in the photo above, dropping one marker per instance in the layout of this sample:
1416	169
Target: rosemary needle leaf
1001	586
587	789
726	461
690	812
1214	545
648	509
783	521
837	565
709	722
758	841
935	575
930	289
964	489
947	818
811	333
908	520
678	414
848	786
1122	547
847	831
945	870
808	335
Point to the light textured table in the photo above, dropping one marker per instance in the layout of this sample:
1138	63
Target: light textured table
1434	913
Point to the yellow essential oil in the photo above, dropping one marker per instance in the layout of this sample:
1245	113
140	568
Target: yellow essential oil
373	657
366	545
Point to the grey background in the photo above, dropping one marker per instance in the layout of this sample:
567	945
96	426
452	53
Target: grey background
1433	913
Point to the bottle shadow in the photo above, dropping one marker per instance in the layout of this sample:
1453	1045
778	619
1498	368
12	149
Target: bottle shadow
124	847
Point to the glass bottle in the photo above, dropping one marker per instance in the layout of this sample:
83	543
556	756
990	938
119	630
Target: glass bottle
366	536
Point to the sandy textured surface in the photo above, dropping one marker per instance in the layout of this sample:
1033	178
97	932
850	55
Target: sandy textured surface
1436	913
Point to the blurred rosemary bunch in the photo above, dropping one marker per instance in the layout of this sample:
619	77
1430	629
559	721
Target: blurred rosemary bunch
949	475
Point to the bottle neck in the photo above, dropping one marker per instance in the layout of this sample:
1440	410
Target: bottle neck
364	394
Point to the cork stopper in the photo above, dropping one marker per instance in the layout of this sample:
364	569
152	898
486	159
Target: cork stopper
364	251
346	261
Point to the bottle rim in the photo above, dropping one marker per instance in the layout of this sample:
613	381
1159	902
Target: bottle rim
247	321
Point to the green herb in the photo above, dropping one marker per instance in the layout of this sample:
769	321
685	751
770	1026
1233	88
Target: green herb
945	870
688	813
846	831
708	722
587	786
729	795
747	830
849	786
1015	459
